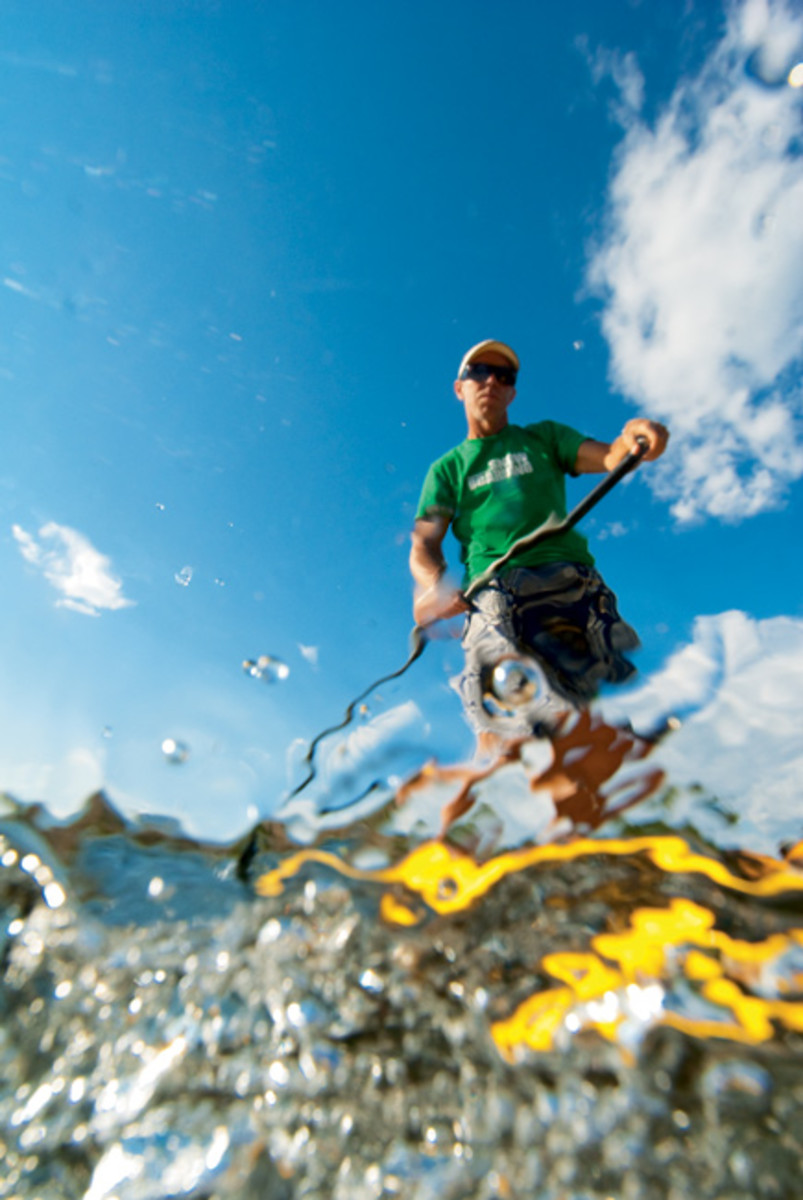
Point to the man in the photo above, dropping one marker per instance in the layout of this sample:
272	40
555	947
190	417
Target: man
548	606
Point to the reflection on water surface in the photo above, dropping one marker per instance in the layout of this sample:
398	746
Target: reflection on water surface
606	1006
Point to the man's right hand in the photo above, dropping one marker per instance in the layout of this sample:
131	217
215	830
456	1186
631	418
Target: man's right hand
438	602
435	598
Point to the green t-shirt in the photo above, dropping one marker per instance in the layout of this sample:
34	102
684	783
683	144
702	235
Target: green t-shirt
497	489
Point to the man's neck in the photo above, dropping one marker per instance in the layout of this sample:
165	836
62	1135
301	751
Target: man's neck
484	429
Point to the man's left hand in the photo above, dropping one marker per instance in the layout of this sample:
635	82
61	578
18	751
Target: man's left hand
654	434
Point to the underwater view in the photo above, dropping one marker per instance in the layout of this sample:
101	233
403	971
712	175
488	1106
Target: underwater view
385	814
613	1007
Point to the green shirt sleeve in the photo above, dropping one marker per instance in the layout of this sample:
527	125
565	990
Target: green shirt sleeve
564	442
438	497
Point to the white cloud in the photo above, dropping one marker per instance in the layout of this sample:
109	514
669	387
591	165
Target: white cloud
623	70
614	529
73	566
701	267
62	777
14	285
738	687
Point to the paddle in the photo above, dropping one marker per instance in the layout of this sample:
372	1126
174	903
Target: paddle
418	636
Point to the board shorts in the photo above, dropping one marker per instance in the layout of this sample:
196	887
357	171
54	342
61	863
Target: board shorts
562	622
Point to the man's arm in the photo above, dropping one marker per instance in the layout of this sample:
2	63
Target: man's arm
595	457
434	599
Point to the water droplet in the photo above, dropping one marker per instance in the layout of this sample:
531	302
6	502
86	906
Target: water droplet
278	1074
371	982
267	668
514	682
771	65
175	752
310	653
447	889
183	576
54	895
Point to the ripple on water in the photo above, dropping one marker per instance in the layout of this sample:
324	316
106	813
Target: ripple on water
606	1011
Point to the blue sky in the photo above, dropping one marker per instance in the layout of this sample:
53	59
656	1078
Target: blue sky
244	246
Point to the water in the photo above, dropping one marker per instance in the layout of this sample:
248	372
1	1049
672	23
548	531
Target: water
514	683
267	667
175	752
183	577
526	979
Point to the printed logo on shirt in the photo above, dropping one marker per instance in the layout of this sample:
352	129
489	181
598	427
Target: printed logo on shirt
501	468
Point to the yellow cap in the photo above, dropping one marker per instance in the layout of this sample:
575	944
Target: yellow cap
476	352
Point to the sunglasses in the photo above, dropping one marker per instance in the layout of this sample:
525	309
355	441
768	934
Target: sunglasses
480	371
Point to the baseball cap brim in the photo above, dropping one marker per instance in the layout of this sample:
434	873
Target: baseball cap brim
476	353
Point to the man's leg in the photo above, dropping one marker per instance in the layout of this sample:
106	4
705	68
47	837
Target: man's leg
490	640
568	618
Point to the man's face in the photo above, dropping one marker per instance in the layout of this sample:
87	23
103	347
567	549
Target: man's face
486	401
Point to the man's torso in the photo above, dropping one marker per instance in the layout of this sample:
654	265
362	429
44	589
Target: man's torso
500	488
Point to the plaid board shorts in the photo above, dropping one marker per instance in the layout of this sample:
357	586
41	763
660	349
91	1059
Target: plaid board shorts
560	619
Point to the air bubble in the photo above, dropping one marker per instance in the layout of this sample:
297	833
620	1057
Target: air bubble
175	752
771	66
514	682
267	668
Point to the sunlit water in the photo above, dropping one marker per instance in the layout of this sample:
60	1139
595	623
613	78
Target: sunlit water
530	979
